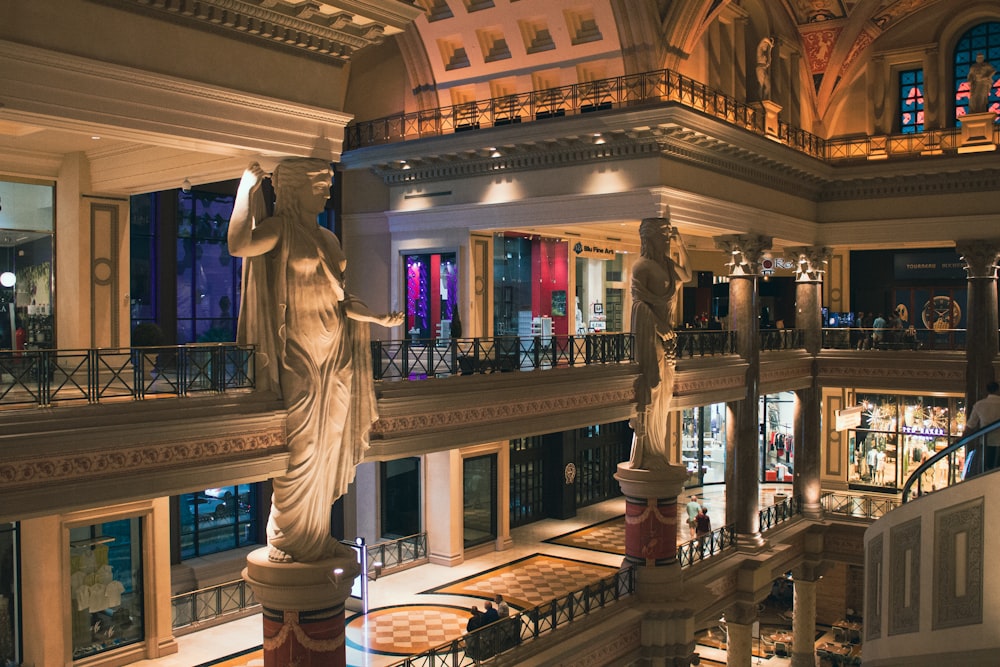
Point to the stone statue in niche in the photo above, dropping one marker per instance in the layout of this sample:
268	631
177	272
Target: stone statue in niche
312	341
764	67
657	276
980	84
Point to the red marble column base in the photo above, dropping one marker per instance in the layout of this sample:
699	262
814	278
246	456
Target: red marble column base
651	513
304	638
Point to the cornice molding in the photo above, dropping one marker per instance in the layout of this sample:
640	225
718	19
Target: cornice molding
326	28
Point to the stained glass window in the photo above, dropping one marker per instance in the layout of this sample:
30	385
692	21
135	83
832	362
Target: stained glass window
985	39
911	101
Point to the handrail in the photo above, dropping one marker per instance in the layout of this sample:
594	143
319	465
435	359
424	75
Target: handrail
657	87
937	456
44	377
860	338
858	505
507	633
703	547
393	554
778	513
192	608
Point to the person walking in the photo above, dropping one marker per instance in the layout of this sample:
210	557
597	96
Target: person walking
693	508
984	412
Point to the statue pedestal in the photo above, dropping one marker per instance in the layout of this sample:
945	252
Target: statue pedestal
977	132
303	608
651	513
769	111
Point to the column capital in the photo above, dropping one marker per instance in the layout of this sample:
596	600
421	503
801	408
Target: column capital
980	257
743	613
810	262
746	251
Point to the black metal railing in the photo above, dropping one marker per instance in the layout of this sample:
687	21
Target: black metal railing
47	377
704	342
508	633
858	505
706	546
781	339
208	604
780	512
384	557
843	338
637	90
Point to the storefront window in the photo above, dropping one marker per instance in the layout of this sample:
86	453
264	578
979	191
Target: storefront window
703	444
26	224
10	596
897	434
432	296
480	500
400	488
106	586
600	289
777	456
531	283
217	520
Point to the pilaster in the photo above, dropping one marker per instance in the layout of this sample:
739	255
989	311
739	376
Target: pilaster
739	626
980	259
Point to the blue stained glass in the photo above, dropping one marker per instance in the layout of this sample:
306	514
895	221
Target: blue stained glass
983	38
911	101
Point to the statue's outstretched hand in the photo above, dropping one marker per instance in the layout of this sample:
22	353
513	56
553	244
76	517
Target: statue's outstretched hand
393	319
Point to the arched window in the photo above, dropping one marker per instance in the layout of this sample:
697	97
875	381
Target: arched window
983	38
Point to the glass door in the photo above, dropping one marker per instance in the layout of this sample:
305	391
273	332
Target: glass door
480	500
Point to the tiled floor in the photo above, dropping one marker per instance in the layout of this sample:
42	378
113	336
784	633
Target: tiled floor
416	609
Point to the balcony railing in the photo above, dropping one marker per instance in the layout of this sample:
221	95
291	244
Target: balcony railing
46	377
632	91
508	633
706	546
196	608
779	513
385	557
857	338
858	506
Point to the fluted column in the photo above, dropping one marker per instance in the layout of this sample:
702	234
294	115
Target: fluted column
739	626
742	443
804	621
810	268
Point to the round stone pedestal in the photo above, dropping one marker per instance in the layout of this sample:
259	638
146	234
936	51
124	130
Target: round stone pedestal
303	608
651	513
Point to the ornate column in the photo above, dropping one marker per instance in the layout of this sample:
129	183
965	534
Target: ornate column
739	626
810	267
742	442
980	259
804	620
303	608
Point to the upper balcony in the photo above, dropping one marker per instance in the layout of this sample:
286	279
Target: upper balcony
659	88
162	421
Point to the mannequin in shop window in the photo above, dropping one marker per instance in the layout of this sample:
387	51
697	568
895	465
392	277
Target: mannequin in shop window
656	278
312	342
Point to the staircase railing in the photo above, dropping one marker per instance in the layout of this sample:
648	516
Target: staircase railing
974	462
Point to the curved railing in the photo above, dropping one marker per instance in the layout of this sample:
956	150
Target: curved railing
46	377
973	463
637	90
508	633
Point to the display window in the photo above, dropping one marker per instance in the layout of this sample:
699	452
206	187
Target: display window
777	450
531	283
106	586
703	444
218	519
26	303
10	595
897	434
432	296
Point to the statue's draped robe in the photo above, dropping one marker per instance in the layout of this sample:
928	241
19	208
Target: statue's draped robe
653	296
319	361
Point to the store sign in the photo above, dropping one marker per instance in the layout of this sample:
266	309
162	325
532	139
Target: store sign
594	251
925	430
917	265
848	418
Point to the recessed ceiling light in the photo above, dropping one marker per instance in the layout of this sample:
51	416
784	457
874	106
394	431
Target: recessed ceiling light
95	137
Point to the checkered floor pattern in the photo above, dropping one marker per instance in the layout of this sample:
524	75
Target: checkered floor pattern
530	581
406	629
607	536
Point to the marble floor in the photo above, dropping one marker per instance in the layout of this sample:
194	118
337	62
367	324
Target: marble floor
416	609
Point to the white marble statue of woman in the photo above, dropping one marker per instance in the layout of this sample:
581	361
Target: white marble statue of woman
656	278
312	341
